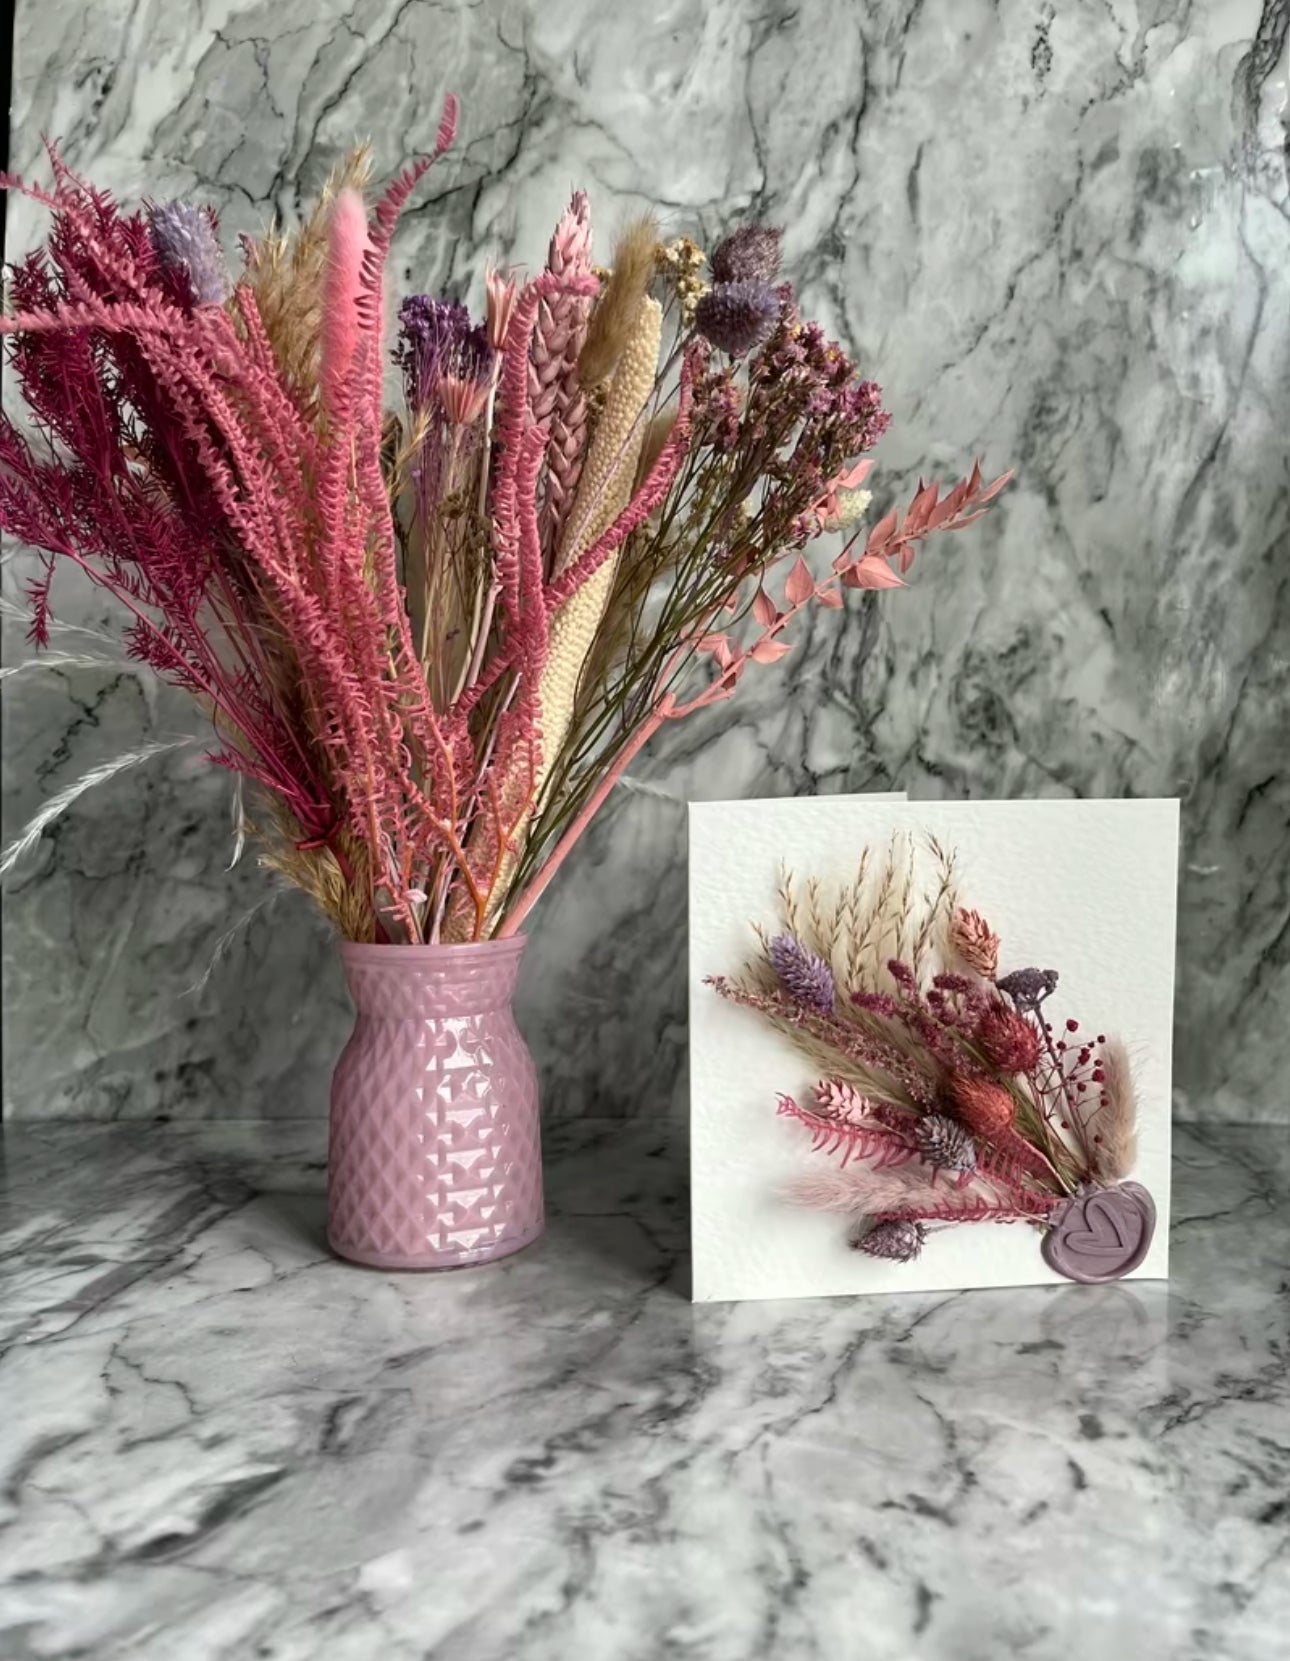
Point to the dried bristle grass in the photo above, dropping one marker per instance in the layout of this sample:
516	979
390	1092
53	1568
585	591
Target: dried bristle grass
617	311
285	271
888	910
824	1057
317	871
657	435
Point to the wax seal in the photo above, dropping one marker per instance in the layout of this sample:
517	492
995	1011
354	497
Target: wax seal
1101	1233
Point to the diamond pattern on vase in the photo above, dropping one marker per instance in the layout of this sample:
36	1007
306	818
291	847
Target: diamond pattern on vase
435	1157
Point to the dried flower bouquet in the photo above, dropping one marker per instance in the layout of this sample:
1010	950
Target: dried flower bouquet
432	640
947	1092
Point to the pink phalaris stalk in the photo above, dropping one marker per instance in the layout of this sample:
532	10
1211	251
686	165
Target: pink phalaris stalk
342	286
556	395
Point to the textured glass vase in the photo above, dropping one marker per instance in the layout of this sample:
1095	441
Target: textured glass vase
435	1158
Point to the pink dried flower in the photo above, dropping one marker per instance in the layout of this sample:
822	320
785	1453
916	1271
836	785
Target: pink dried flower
975	943
985	1107
842	1100
502	295
1009	1040
463	399
557	397
749	254
737	316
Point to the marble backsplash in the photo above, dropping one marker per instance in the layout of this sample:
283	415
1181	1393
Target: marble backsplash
1059	235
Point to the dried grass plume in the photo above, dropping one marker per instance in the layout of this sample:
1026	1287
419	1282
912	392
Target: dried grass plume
1113	1146
618	310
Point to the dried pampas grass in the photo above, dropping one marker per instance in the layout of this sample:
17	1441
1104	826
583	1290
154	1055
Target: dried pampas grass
617	312
58	805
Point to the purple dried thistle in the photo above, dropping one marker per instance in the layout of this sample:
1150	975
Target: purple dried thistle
1028	988
184	240
737	316
945	1144
806	978
899	1239
749	254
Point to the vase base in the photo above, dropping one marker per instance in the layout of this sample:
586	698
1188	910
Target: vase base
460	1258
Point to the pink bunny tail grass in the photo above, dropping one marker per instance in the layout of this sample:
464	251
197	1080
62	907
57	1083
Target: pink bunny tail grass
347	246
916	1193
825	1191
1110	1130
863	1193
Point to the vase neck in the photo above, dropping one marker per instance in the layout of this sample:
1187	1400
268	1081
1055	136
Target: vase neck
409	983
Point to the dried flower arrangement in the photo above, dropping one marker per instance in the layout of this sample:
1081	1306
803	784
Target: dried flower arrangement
432	641
948	1093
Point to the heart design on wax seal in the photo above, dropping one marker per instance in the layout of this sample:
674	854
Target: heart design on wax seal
1101	1234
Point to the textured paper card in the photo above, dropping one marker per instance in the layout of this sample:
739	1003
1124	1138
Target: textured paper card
1086	887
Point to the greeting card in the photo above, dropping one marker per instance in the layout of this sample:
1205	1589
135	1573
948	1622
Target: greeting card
930	1043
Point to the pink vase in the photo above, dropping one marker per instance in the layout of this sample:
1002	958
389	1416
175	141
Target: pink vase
435	1158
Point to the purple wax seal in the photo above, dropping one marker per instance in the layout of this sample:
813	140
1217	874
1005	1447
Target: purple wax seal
1101	1233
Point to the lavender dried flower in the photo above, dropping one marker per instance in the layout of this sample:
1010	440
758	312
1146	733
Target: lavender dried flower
737	316
806	978
437	338
899	1239
185	242
749	254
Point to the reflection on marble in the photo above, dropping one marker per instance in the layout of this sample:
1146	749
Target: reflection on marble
1059	235
220	1443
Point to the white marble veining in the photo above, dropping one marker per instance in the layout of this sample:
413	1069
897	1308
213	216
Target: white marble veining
218	1443
1058	234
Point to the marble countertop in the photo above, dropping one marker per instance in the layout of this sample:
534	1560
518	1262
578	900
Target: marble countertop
218	1442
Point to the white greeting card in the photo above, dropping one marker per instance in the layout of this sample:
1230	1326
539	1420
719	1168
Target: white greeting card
937	1051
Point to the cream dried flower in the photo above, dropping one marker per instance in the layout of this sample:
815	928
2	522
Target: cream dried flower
681	262
851	505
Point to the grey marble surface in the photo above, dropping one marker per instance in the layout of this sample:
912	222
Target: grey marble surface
218	1443
1058	234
